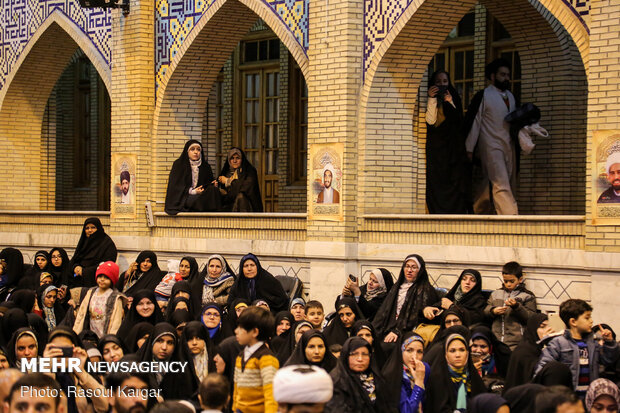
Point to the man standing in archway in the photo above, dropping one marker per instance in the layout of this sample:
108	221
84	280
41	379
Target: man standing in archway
492	135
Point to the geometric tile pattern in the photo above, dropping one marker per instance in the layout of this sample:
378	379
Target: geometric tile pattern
175	19
20	19
381	15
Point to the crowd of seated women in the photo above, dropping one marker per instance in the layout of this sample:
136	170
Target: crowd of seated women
392	344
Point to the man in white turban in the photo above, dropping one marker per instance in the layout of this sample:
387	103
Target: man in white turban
612	167
328	195
302	388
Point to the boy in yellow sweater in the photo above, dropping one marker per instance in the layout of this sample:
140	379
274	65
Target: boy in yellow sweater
256	365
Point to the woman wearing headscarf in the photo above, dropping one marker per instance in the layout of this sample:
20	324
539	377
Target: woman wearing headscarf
138	335
24	299
525	356
11	271
289	340
490	357
143	308
59	266
197	340
32	276
23	344
37	324
446	159
94	247
188	271
281	342
465	293
112	348
358	384
402	309
53	310
370	296
341	326
602	396
12	320
215	281
454	381
254	283
212	318
143	274
522	399
365	330
191	184
312	349
239	184
164	346
489	403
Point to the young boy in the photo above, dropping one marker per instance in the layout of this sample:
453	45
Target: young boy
256	365
510	306
315	314
577	348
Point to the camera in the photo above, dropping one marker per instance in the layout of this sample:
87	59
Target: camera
352	278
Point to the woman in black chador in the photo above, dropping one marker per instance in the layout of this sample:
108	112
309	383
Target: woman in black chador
446	159
94	247
239	184
191	185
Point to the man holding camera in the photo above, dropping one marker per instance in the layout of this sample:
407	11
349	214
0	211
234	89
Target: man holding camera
491	133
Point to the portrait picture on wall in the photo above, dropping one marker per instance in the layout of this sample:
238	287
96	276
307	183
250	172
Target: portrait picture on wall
326	193
606	176
124	185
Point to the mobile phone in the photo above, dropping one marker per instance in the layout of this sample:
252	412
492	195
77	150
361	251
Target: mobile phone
352	278
556	322
66	351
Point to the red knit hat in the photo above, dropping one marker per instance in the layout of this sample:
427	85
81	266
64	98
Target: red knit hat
109	269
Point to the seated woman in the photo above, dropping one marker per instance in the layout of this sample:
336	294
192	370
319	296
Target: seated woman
215	281
143	274
490	357
53	311
239	184
602	396
59	266
32	276
112	348
358	384
467	294
454	380
138	335
255	283
312	349
93	248
402	309
191	185
370	296
143	308
212	318
188	271
23	344
341	326
365	330
11	271
196	338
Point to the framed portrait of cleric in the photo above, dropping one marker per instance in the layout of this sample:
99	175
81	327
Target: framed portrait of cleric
606	178
123	185
326	181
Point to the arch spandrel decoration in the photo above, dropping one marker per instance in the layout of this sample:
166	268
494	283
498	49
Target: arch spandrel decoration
175	21
20	20
381	16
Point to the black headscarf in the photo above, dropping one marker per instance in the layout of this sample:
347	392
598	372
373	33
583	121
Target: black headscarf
299	353
197	329
454	310
138	331
133	317
65	331
436	349
89	337
24	299
232	312
147	280
349	395
176	386
500	351
181	286
39	327
377	350
179	317
14	271
246	184
10	353
180	181
441	394
278	342
172	304
473	302
228	350
525	356
420	295
487	403
60	274
32	276
111	338
522	399
12	320
263	286
286	342
193	270
91	251
336	332
554	373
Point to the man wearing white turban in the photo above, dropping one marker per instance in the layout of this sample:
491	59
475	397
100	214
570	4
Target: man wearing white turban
302	388
328	195
612	167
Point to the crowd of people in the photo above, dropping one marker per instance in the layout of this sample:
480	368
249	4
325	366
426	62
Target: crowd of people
392	344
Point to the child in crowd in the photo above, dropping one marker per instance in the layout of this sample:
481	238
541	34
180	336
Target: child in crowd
256	365
213	393
101	310
297	308
511	306
315	314
577	349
